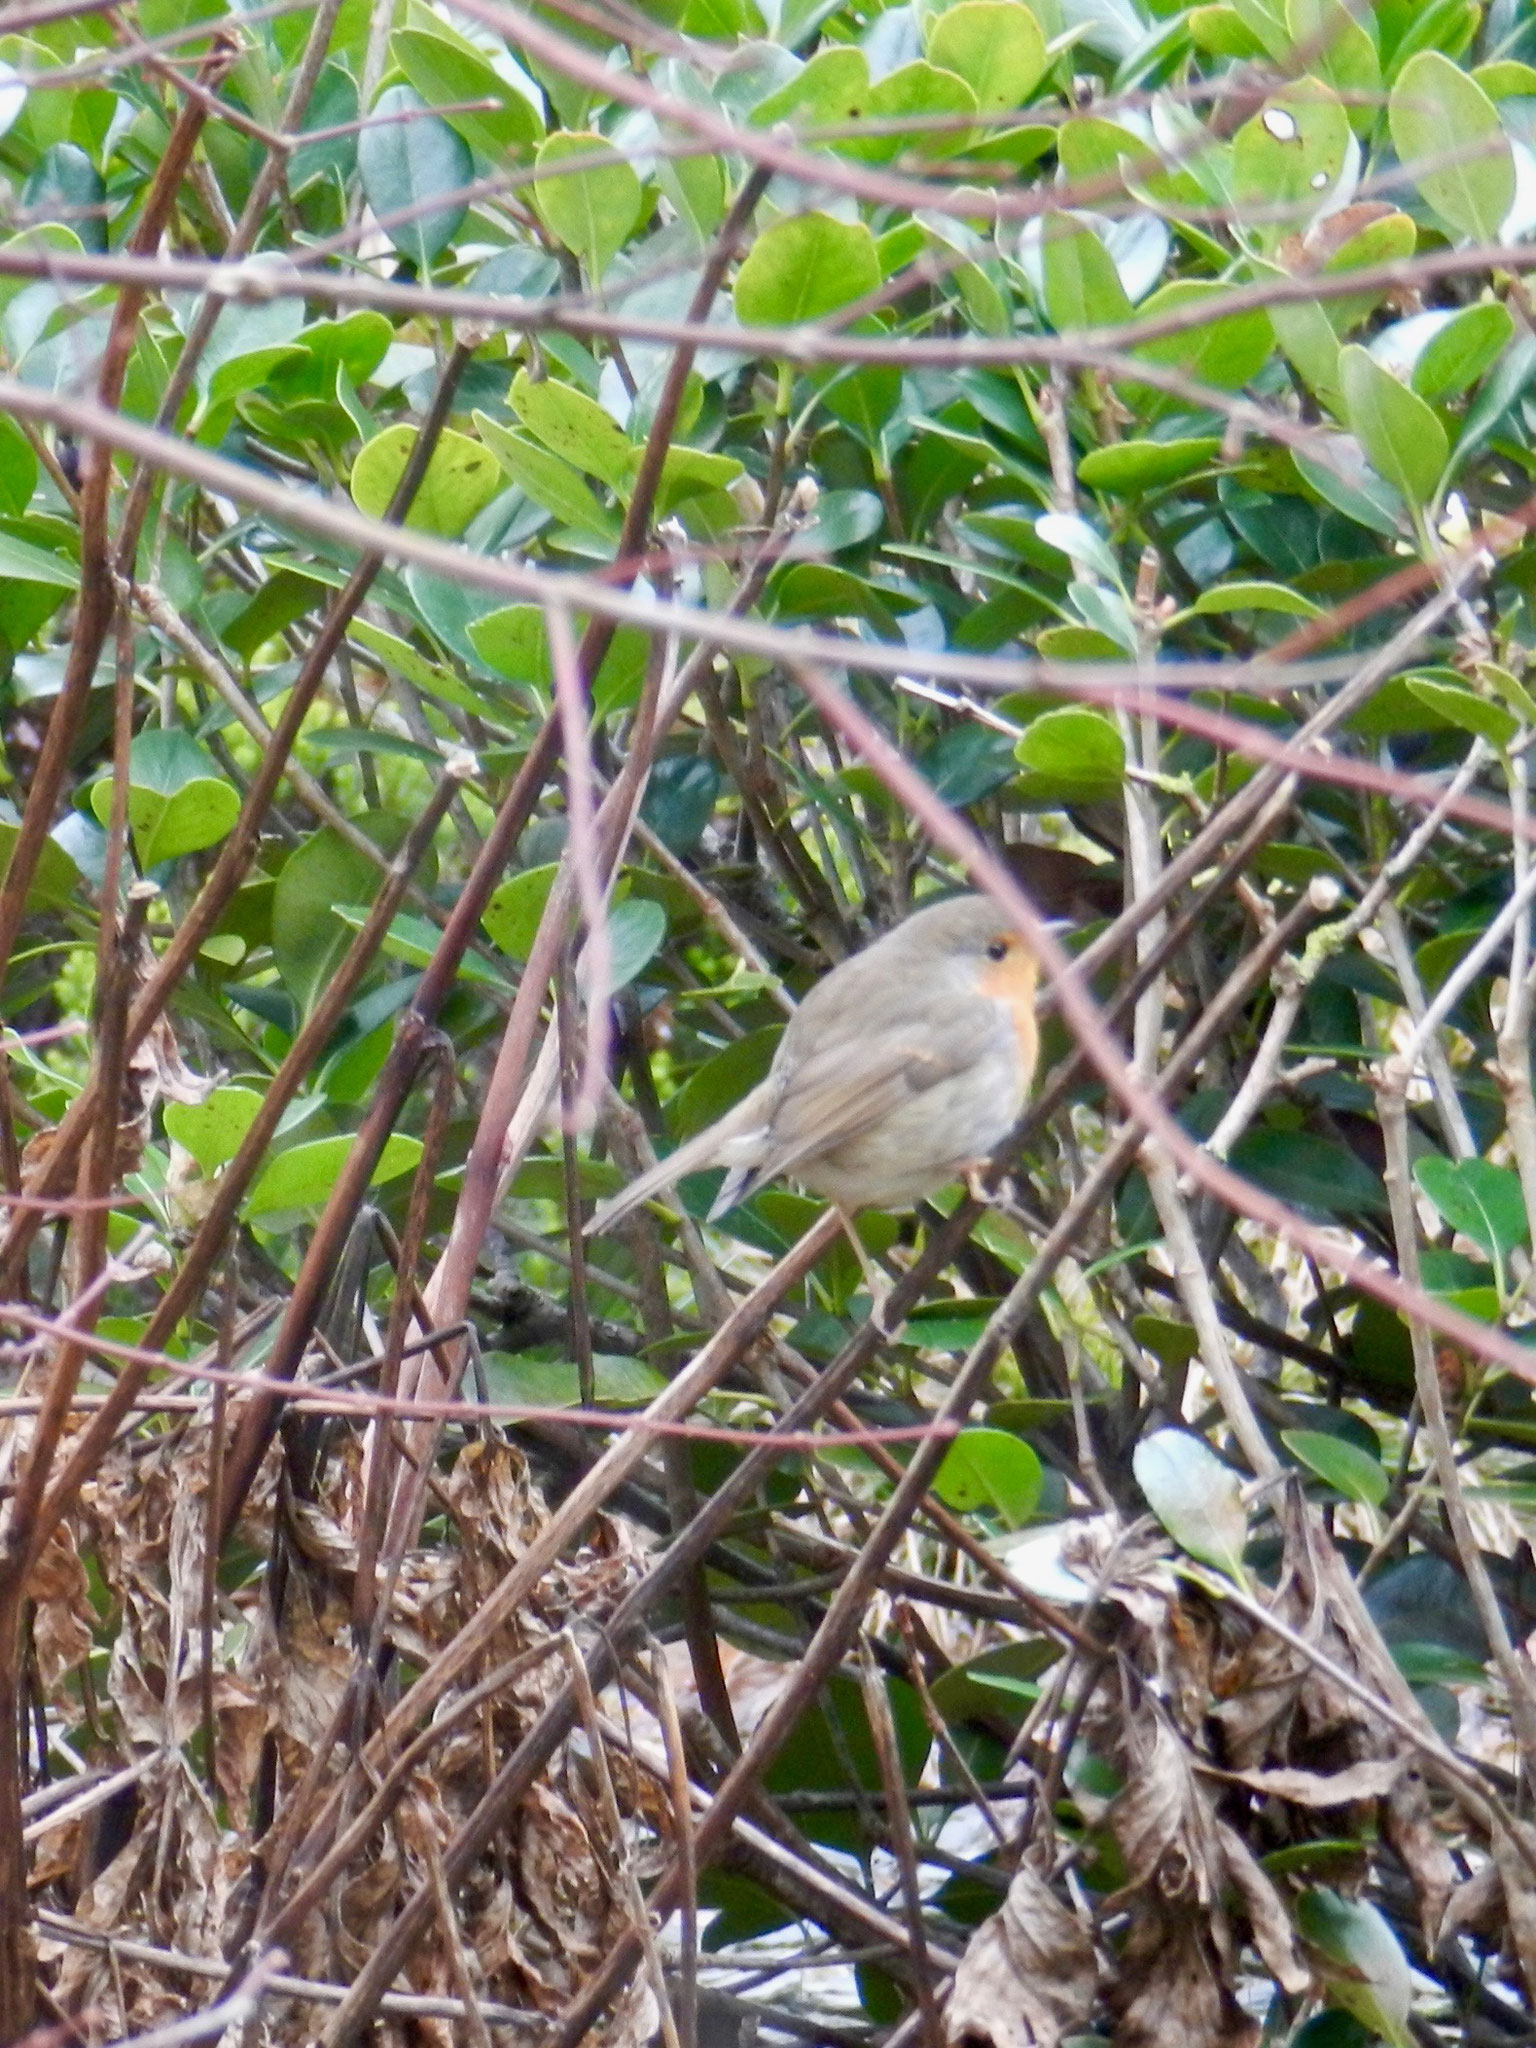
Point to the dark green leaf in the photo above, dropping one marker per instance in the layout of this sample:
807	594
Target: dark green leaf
414	170
1345	1467
1478	1200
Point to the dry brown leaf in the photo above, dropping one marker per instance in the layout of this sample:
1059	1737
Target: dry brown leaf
1162	1821
1027	1976
1170	1990
1519	1892
1273	1935
1371	1779
62	1614
1174	1978
1408	1822
1476	1906
308	1668
569	1890
1256	1687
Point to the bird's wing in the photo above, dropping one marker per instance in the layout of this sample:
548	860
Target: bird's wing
710	1147
843	1089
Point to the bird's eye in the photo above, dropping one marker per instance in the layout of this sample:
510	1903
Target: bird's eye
997	949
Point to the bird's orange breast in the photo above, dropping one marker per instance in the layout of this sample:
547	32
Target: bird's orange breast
1012	982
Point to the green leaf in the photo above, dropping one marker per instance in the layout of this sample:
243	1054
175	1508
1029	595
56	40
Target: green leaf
1360	1961
1314	1173
830	91
284	598
637	931
515	642
688	473
1478	1200
722	1080
1506	79
18	470
1392	238
1287	158
617	1382
989	1468
967	1690
1335	467
1468	345
445	73
1309	339
1511	689
303	1176
575	428
415	939
822	590
1071	754
1265	22
803	268
1082	285
995	45
365	739
841	520
967	763
411	163
1403	440
595	206
1341	51
1131	467
20	562
830	1748
1225	351
1195	1497
56	875
1077	643
1463	707
512	916
248	344
462	478
1256	596
1444	25
1436	111
1017	147
1174	1344
178	802
213	1130
1090	148
1344	1466
429	676
923	94
680	800
548	479
1220	31
66	187
308	938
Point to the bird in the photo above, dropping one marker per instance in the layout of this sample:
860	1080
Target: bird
902	1069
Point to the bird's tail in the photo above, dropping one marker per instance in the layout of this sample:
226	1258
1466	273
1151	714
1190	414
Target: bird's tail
692	1157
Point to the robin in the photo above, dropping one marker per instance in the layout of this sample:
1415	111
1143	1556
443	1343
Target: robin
902	1069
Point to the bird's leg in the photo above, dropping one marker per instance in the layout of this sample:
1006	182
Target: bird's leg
876	1281
989	1198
